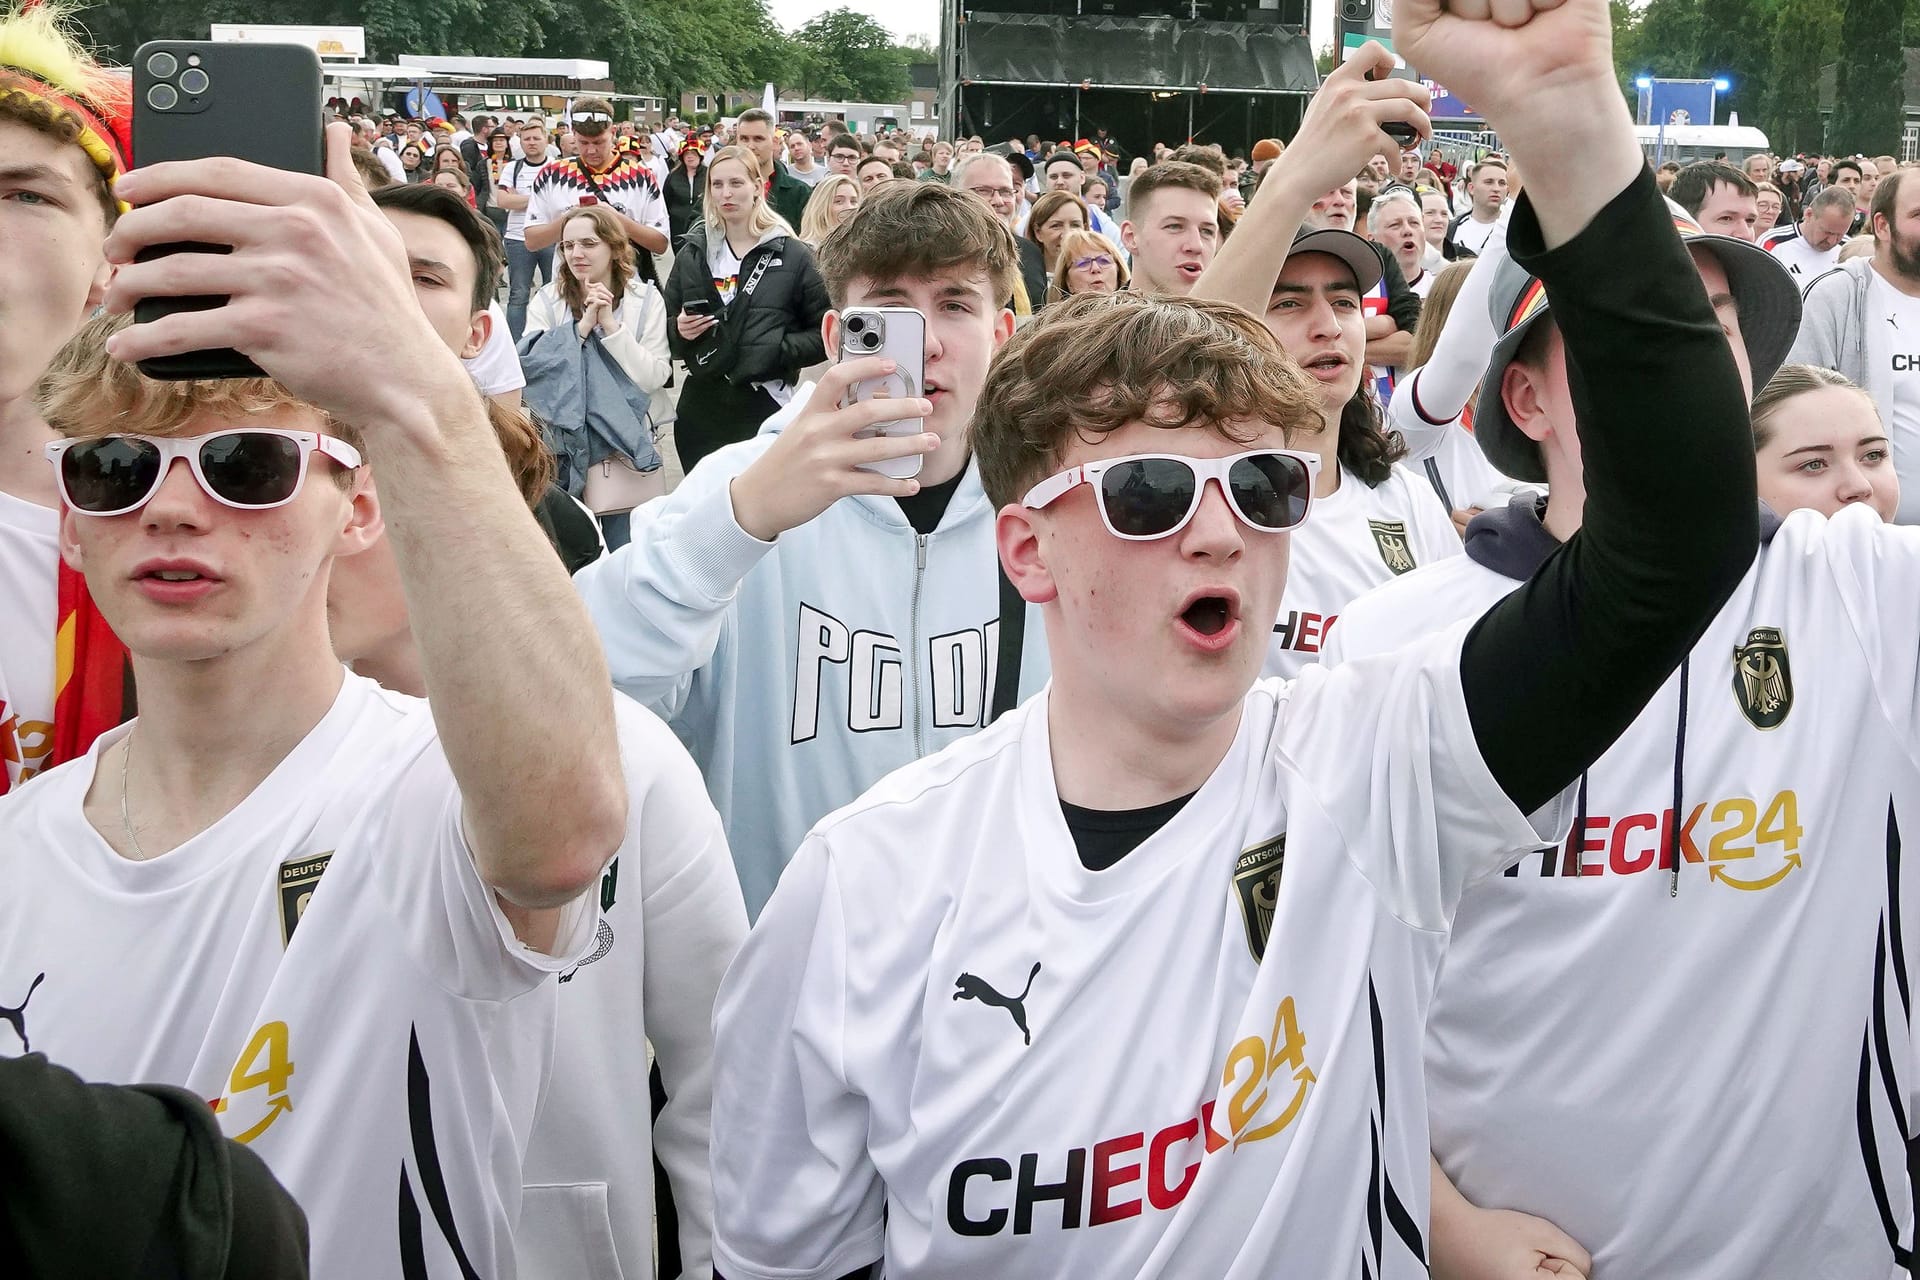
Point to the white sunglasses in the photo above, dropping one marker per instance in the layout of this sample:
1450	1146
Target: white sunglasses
1144	496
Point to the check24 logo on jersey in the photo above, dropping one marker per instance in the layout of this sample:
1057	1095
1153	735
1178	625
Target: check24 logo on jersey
1267	1080
264	1064
1746	844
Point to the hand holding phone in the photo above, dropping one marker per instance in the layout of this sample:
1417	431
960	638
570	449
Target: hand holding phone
197	99
898	334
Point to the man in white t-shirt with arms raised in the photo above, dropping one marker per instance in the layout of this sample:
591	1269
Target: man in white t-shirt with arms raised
1012	1013
333	912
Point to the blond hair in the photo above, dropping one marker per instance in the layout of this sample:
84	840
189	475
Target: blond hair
762	218
813	222
86	393
1072	245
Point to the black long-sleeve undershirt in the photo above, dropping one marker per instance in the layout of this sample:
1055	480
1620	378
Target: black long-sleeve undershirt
1556	672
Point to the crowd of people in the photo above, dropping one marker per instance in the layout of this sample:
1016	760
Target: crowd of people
1357	717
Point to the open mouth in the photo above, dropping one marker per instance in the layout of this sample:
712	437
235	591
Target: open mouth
1326	366
1209	615
1191	269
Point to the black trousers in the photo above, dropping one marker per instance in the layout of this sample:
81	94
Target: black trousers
714	412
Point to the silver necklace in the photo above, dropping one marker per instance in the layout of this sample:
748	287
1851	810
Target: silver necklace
126	814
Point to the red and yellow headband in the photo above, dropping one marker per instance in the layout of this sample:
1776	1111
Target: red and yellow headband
103	135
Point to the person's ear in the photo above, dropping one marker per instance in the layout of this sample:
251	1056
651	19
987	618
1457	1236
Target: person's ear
364	525
70	550
830	334
1002	327
1523	394
479	330
1023	555
97	287
1127	240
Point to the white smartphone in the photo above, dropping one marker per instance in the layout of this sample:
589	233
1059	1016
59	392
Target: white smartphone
900	335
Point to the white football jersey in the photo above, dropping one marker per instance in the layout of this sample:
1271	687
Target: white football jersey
324	966
29	602
947	1039
1708	1082
1355	538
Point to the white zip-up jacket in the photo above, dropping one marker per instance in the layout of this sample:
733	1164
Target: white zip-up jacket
800	672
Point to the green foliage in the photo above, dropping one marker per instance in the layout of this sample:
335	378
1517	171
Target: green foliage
847	56
1803	42
663	47
1869	90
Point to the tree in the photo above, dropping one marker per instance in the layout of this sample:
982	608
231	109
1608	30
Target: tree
847	56
1803	41
1869	93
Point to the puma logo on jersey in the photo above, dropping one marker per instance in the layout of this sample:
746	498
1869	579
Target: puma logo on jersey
16	1017
969	987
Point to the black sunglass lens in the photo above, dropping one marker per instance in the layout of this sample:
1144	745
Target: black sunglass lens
251	468
110	474
1146	496
1271	490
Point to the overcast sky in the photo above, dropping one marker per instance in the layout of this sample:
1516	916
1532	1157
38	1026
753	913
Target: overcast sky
922	17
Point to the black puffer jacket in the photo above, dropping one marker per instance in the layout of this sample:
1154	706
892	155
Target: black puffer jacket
768	337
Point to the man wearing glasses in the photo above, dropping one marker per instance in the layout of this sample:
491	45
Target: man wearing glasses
1134	981
990	178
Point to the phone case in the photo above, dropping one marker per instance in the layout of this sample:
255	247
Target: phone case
904	341
255	102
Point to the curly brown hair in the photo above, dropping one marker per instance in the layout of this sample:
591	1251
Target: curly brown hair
1093	364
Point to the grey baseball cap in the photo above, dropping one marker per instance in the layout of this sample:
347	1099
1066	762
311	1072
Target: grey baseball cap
1763	290
1344	245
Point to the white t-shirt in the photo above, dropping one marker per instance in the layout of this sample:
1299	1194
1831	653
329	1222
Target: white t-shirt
1355	538
29	602
390	1051
1675	1080
670	920
949	1040
1477	236
519	177
496	370
1800	259
812	177
1893	343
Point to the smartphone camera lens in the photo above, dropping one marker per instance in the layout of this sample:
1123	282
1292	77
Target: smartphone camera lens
193	82
871	341
162	97
161	66
855	324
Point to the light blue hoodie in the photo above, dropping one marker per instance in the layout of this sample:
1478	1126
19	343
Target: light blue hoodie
802	671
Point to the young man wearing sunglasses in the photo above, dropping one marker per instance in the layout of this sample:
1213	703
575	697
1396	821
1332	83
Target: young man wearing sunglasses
1133	982
61	121
331	911
808	624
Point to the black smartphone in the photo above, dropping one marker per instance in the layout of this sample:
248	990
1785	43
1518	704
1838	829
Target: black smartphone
193	99
698	306
1399	130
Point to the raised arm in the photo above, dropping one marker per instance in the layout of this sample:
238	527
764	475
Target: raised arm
1555	672
1339	134
508	653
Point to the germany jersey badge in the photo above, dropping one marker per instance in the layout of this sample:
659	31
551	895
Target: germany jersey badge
299	877
1391	537
1256	883
1762	680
